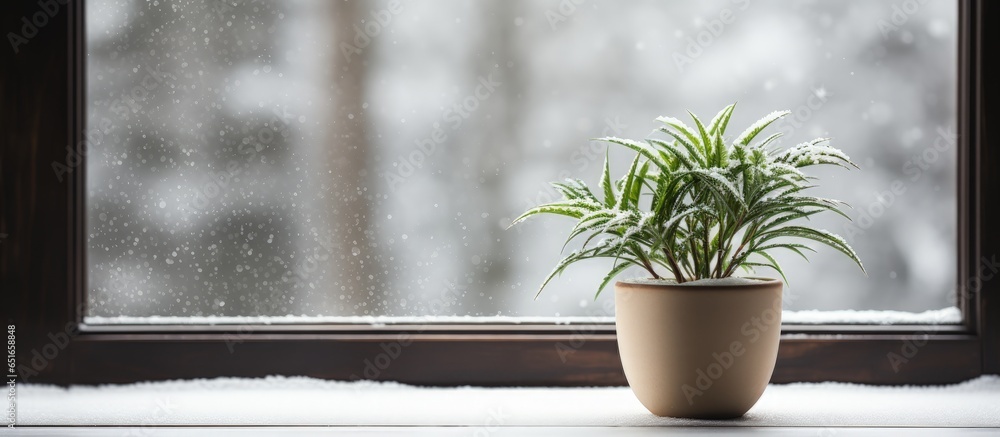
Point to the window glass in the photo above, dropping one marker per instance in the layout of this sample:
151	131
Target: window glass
363	158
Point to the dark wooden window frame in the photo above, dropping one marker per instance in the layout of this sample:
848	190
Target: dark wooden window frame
42	248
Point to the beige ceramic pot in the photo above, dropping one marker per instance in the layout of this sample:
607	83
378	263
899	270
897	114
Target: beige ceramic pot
698	351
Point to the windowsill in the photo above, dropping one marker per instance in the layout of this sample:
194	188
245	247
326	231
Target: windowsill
306	401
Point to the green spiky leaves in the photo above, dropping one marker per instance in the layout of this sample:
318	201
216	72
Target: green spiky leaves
714	207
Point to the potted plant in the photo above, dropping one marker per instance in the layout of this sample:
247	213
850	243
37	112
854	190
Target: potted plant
695	208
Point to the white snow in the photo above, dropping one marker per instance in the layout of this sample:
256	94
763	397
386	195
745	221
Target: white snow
364	320
306	401
758	125
673	122
944	316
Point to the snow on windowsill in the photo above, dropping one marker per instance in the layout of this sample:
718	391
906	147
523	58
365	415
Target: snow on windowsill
944	316
307	401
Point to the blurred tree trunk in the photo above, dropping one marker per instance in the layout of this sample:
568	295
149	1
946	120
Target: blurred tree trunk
348	148
487	145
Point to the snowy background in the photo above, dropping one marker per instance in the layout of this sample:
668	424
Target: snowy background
264	158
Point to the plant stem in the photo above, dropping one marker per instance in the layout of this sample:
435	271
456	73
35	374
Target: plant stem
743	243
678	275
647	265
708	251
729	245
694	248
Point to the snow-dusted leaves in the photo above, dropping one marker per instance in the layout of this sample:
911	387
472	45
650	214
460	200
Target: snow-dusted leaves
716	207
